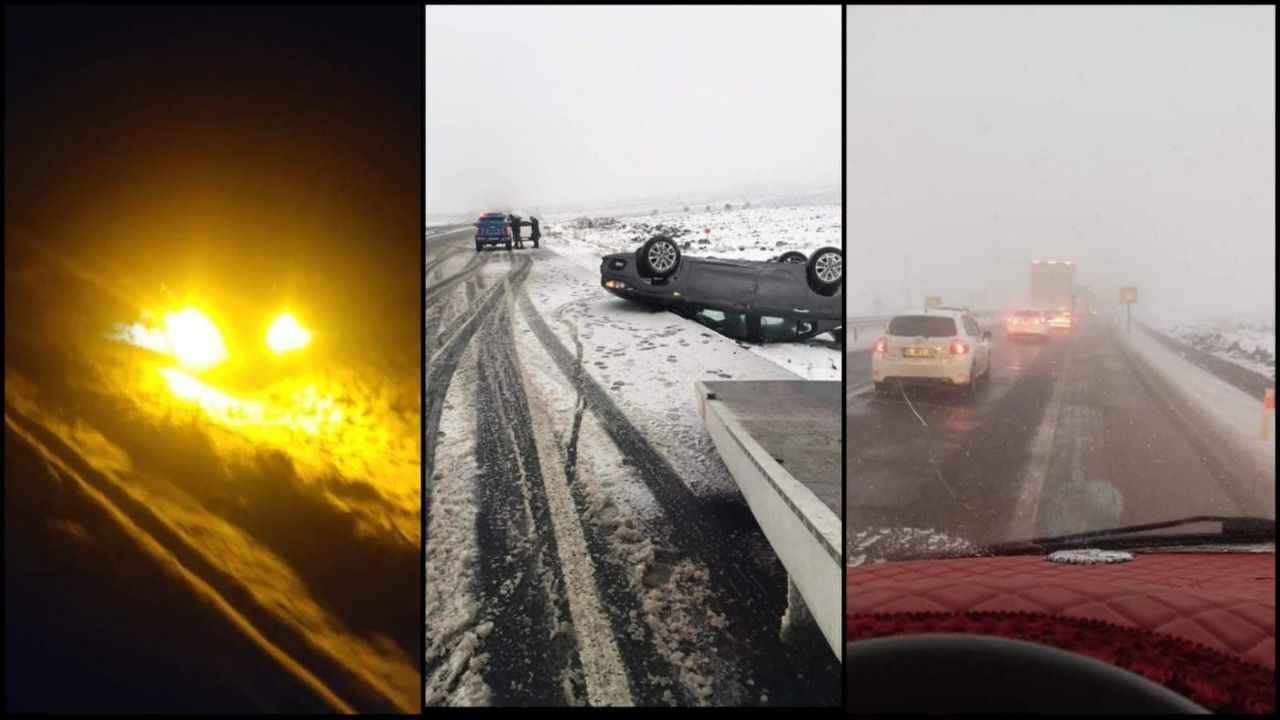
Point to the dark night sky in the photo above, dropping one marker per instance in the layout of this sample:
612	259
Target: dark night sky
225	150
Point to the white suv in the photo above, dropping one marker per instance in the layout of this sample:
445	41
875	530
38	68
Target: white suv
935	347
1027	321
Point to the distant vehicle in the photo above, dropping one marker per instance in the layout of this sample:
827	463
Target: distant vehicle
1060	319
492	229
792	297
1027	322
938	347
1053	285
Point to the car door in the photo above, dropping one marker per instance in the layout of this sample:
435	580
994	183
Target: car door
776	290
720	283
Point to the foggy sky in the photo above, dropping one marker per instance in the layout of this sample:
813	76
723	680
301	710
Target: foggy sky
577	106
1139	142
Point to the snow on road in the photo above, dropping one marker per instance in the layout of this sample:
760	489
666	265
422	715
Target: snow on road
642	516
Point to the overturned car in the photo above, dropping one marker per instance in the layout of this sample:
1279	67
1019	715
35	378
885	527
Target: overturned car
790	297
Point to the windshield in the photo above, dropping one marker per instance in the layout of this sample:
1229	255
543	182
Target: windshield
922	326
1123	377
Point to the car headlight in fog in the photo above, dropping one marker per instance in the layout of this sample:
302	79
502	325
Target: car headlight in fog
286	334
193	339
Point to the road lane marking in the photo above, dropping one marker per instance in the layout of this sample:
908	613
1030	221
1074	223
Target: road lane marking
602	665
1023	523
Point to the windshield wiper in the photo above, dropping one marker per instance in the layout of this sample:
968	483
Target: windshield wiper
1233	530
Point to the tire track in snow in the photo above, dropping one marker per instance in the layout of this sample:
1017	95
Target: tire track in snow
649	674
439	289
440	368
433	264
532	652
751	625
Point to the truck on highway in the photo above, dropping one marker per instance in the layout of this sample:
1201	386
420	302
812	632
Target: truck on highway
1053	290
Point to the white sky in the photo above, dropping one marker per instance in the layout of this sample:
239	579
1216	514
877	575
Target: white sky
579	106
1139	142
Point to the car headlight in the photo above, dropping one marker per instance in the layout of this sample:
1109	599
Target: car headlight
286	334
193	339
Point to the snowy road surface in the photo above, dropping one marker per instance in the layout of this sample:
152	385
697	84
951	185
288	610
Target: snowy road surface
1068	436
585	543
176	544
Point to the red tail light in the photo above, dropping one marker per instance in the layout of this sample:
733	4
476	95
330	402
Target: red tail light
958	348
882	345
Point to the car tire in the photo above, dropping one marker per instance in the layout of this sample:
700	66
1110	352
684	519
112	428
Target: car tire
825	270
658	257
793	256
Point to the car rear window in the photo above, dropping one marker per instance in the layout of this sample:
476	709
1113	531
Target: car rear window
1027	313
922	326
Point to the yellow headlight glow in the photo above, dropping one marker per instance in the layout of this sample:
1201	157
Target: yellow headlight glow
193	339
287	334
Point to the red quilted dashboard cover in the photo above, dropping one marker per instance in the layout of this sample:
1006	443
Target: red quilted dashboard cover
1200	623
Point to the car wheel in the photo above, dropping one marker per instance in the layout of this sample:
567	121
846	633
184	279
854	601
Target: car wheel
659	257
826	270
793	256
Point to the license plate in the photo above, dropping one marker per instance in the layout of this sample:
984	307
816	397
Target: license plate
917	352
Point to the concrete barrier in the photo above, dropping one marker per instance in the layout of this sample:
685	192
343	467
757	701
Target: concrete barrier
765	430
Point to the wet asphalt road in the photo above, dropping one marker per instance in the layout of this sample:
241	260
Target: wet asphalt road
1065	437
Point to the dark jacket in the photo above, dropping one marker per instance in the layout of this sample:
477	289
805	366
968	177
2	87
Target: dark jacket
514	220
537	231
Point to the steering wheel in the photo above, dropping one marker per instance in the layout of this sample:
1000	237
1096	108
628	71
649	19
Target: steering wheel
960	674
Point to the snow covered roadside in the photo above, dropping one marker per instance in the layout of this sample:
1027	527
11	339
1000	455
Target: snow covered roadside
1249	344
453	635
1229	419
745	233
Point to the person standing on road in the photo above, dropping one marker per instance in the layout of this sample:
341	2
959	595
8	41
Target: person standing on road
515	230
536	233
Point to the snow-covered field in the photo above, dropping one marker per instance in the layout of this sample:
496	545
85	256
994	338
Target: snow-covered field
750	233
1246	343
